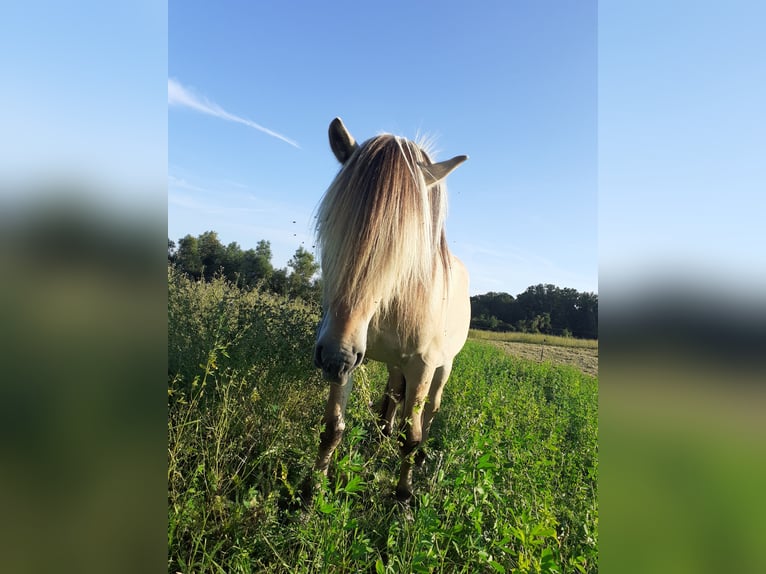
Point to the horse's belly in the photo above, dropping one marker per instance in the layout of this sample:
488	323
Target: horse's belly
435	348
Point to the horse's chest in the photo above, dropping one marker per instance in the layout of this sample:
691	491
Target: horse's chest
387	347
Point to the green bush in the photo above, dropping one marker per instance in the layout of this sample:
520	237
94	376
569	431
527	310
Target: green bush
254	332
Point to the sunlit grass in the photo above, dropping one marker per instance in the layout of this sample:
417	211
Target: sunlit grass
509	484
534	338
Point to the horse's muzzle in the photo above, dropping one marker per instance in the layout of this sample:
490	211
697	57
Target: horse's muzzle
336	364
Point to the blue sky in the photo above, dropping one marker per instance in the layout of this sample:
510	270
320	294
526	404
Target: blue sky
682	147
253	87
679	102
82	98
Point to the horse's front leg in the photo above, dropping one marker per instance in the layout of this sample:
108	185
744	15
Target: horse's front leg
334	421
414	403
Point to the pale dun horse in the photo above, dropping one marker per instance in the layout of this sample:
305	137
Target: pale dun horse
392	291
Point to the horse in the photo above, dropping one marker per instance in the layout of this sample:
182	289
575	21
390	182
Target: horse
392	291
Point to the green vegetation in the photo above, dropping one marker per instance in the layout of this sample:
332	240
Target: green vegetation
545	309
509	484
535	338
540	309
206	257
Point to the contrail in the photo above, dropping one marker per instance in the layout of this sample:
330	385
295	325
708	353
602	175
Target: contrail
180	96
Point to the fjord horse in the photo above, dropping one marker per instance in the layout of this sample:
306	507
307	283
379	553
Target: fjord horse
392	291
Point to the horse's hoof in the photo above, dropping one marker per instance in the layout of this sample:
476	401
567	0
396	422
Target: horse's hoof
406	511
403	503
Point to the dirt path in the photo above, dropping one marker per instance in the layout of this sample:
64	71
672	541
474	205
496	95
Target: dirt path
584	359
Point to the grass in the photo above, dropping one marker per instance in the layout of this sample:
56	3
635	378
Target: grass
534	338
509	484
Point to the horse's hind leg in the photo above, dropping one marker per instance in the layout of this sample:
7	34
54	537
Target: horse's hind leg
391	399
432	407
418	384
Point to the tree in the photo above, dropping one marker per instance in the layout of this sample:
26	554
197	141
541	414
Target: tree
585	322
171	250
278	282
301	282
211	253
188	258
247	269
541	323
262	262
255	265
232	261
263	249
540	308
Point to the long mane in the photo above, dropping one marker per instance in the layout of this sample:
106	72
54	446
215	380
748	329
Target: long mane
380	232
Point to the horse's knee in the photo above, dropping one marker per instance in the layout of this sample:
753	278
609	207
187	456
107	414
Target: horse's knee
332	433
408	444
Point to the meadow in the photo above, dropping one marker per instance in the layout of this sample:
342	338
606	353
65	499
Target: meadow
579	353
509	484
534	339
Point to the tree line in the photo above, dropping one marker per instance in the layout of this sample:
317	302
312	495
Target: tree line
204	256
540	309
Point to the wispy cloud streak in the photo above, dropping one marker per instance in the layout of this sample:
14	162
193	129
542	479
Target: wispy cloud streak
178	95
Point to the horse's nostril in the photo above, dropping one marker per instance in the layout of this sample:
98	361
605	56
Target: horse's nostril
318	356
359	357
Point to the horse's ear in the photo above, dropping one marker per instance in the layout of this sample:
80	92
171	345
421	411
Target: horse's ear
436	172
341	142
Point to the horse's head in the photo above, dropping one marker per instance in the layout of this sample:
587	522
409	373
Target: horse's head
379	227
341	342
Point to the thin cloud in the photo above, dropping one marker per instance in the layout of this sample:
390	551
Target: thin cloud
178	95
177	183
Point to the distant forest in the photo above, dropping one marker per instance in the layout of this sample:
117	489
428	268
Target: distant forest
540	309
